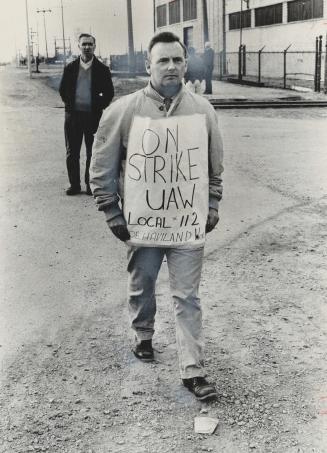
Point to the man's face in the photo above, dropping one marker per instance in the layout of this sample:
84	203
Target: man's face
87	47
166	66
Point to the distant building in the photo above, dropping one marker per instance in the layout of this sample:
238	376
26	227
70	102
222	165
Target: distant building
194	21
275	24
271	23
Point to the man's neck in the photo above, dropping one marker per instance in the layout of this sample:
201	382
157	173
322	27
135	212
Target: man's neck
86	60
167	92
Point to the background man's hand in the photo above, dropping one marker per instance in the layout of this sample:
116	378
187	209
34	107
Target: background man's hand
212	219
119	228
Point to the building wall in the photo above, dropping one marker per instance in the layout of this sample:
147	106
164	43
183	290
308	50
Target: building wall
301	35
214	17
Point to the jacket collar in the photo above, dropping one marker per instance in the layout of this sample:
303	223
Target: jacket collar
153	94
86	65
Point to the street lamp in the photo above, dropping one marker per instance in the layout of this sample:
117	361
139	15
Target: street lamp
241	49
45	30
241	17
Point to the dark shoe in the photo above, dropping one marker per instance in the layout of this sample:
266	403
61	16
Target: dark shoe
88	190
201	388
144	351
73	190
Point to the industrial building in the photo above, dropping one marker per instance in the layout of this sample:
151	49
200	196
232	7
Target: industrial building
268	27
269	23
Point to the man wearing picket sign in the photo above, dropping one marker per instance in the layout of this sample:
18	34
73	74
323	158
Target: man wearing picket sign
156	173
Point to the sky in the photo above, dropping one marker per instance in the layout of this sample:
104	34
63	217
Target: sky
105	19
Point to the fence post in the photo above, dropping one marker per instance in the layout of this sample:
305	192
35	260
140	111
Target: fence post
325	79
259	63
244	59
316	64
221	63
319	64
285	52
240	62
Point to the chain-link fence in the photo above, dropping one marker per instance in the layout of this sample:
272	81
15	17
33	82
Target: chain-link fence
284	69
120	63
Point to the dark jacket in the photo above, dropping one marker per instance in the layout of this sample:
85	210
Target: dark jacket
208	58
195	69
101	86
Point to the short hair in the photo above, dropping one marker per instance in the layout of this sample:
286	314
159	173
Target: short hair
166	36
86	35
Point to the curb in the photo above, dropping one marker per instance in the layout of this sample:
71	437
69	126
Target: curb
261	104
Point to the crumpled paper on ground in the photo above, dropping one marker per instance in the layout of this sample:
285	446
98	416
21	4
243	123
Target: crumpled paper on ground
205	425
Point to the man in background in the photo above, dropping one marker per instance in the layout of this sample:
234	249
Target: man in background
86	89
208	59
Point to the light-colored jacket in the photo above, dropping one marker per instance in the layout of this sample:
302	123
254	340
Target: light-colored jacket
111	140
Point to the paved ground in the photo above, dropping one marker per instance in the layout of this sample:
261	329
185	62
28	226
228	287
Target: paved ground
69	382
225	90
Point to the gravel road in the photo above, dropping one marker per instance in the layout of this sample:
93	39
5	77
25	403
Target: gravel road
69	383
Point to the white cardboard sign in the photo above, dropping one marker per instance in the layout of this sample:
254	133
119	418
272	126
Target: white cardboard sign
166	181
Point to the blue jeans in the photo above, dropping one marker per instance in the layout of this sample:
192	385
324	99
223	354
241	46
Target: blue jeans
184	266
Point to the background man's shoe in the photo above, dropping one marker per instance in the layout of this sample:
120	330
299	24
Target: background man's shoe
73	190
201	388
88	190
144	351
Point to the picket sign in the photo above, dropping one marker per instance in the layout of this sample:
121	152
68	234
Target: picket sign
166	181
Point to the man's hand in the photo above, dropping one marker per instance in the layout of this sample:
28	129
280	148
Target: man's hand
119	228
212	220
121	232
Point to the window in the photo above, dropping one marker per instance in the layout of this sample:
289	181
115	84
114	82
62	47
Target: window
189	10
188	37
174	12
161	15
269	15
304	10
235	20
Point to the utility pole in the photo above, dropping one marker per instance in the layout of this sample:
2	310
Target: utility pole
224	37
38	39
131	55
28	50
45	29
205	21
63	31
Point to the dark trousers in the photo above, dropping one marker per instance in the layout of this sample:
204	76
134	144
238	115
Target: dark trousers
208	79
77	125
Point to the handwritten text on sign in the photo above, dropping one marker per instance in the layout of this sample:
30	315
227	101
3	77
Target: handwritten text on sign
166	181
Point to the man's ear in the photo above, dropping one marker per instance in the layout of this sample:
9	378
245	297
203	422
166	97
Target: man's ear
147	66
